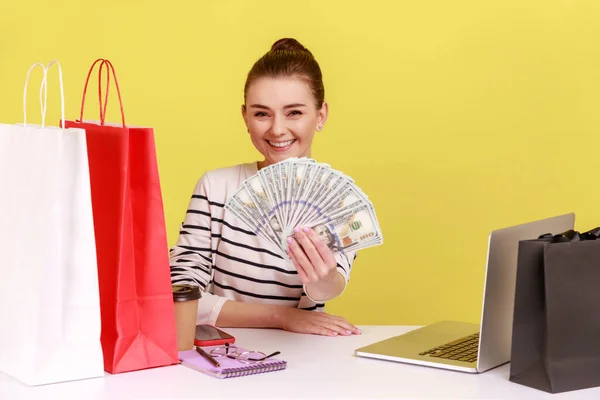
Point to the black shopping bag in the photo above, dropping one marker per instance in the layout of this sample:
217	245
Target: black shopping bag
556	322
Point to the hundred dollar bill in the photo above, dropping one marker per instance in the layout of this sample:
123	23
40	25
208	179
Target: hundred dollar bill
296	175
242	211
258	194
270	186
349	198
349	231
306	209
322	190
334	187
245	198
338	188
285	171
276	182
297	203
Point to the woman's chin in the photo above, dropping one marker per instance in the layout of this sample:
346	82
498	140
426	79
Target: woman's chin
276	158
279	158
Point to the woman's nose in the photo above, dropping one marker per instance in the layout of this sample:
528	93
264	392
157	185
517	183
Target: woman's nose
278	128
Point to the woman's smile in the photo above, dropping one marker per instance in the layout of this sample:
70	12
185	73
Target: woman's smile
281	146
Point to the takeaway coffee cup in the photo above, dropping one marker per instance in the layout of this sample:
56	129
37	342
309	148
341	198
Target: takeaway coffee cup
185	299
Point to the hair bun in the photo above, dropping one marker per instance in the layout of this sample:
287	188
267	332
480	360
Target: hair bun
289	44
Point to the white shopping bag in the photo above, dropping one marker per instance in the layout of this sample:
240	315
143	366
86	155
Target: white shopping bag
49	297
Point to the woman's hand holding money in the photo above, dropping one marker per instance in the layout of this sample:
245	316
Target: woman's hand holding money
316	265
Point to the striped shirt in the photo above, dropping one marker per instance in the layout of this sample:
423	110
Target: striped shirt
217	252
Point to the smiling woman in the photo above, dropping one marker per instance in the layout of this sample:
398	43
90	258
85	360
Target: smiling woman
284	97
244	281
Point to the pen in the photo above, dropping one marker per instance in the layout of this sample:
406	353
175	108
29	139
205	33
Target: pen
208	357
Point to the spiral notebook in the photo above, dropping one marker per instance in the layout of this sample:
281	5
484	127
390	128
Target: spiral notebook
230	368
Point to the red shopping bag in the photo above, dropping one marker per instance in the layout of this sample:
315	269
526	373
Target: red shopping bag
136	301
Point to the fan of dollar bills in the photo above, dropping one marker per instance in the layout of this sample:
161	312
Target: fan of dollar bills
300	192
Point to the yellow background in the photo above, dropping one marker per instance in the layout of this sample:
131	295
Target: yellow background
455	117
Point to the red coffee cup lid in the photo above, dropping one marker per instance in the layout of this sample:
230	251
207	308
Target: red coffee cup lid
186	292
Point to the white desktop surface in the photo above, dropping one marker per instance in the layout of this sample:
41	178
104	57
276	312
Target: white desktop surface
318	367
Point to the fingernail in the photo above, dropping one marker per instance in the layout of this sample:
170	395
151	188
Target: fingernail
305	229
348	333
358	330
296	229
289	240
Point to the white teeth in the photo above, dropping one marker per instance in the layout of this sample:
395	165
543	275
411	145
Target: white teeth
281	144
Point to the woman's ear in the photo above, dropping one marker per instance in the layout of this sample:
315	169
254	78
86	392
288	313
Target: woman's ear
245	117
322	116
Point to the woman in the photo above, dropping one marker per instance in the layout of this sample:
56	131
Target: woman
245	282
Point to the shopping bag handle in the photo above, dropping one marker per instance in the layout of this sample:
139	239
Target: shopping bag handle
103	108
592	234
572	235
99	90
25	91
109	69
101	104
44	90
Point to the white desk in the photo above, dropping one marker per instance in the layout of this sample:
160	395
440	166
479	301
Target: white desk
318	367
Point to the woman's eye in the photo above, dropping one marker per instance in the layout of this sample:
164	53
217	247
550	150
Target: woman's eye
260	114
295	112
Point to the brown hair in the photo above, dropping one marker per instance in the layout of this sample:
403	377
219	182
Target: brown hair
289	58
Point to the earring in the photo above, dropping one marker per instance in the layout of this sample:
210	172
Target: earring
319	128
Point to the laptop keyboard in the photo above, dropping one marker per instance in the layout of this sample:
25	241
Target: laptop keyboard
463	349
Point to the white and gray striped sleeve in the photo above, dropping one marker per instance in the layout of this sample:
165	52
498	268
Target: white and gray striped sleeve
191	259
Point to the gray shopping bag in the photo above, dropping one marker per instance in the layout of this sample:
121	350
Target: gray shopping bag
556	322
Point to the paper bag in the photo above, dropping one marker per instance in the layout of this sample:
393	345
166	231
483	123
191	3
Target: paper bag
49	300
138	320
556	322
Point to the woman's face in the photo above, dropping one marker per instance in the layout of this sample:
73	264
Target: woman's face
281	117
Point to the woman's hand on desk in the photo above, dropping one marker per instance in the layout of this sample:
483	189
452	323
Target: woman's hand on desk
236	314
317	323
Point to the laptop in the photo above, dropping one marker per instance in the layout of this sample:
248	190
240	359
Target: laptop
469	347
